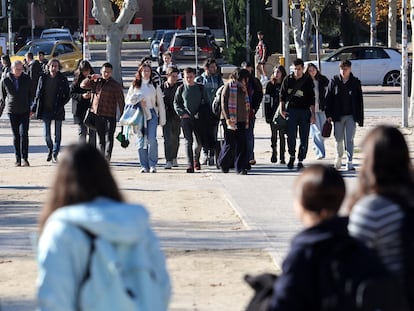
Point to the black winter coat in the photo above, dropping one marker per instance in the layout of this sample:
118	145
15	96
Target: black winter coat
79	104
62	98
333	103
16	101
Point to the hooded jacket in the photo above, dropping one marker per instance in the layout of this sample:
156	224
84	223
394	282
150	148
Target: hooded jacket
64	249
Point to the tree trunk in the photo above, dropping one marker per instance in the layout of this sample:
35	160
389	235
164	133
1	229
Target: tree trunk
115	28
306	35
392	23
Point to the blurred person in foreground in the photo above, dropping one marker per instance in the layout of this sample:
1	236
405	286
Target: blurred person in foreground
85	209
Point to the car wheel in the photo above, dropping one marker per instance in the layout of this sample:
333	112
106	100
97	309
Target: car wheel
392	78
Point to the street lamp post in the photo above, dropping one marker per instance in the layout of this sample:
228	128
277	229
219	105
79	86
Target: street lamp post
10	32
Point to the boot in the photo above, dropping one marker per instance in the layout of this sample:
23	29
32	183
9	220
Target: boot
273	159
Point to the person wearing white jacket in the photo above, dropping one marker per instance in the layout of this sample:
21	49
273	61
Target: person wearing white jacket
154	108
84	201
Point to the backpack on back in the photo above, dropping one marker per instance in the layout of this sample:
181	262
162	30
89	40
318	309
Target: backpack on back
351	277
216	104
131	285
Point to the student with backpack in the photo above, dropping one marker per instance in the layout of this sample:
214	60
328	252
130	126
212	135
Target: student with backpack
95	251
327	269
382	210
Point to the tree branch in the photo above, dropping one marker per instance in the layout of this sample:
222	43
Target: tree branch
103	13
130	7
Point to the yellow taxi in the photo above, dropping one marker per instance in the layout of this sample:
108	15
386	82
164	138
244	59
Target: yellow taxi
67	52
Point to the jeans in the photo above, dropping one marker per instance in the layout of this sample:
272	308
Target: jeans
250	139
54	147
171	133
188	127
148	146
105	128
298	118
84	131
345	130
277	130
316	134
20	128
234	151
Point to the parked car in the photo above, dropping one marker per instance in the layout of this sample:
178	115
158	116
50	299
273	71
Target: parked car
155	43
25	34
67	52
56	34
165	43
373	65
182	47
202	29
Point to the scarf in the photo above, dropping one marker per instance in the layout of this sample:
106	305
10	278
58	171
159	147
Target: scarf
232	103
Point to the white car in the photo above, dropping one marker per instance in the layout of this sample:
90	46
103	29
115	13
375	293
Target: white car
373	65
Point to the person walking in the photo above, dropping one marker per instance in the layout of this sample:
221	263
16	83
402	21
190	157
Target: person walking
16	98
297	103
345	107
49	105
271	105
167	63
81	102
320	83
5	64
84	213
153	104
236	111
107	101
171	129
255	91
34	70
385	190
261	57
187	101
212	80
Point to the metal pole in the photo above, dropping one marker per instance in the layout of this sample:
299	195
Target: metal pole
195	35
247	30
85	48
285	33
226	33
318	50
32	15
373	26
9	14
404	65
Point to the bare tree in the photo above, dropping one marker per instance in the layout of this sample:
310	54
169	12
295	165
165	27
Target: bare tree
115	29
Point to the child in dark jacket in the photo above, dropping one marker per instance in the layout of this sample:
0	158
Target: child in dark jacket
318	195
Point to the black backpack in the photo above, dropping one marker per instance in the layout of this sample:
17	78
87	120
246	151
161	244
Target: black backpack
351	277
263	291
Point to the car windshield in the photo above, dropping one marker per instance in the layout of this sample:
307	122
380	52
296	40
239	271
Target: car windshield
35	48
189	41
327	56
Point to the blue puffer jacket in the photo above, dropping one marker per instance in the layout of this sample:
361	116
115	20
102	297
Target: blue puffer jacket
64	249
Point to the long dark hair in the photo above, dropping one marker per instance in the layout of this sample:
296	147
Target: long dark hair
318	73
83	65
282	71
386	168
138	75
83	174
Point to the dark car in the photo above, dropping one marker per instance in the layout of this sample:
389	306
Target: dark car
24	35
155	43
182	47
165	43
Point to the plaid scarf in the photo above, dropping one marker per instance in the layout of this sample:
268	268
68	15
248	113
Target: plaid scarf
232	103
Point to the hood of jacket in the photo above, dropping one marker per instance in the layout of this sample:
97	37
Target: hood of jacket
117	222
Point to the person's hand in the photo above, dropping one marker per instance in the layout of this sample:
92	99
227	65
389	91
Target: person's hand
329	119
143	103
185	116
94	76
284	114
86	95
313	119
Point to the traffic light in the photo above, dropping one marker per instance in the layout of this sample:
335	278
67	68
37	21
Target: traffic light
277	8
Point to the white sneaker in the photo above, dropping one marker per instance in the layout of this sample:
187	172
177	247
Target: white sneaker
153	169
338	163
174	162
144	170
168	165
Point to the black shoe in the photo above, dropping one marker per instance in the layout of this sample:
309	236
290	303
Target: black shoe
300	166
49	156
225	170
18	163
190	170
282	161
242	172
273	159
25	162
290	164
